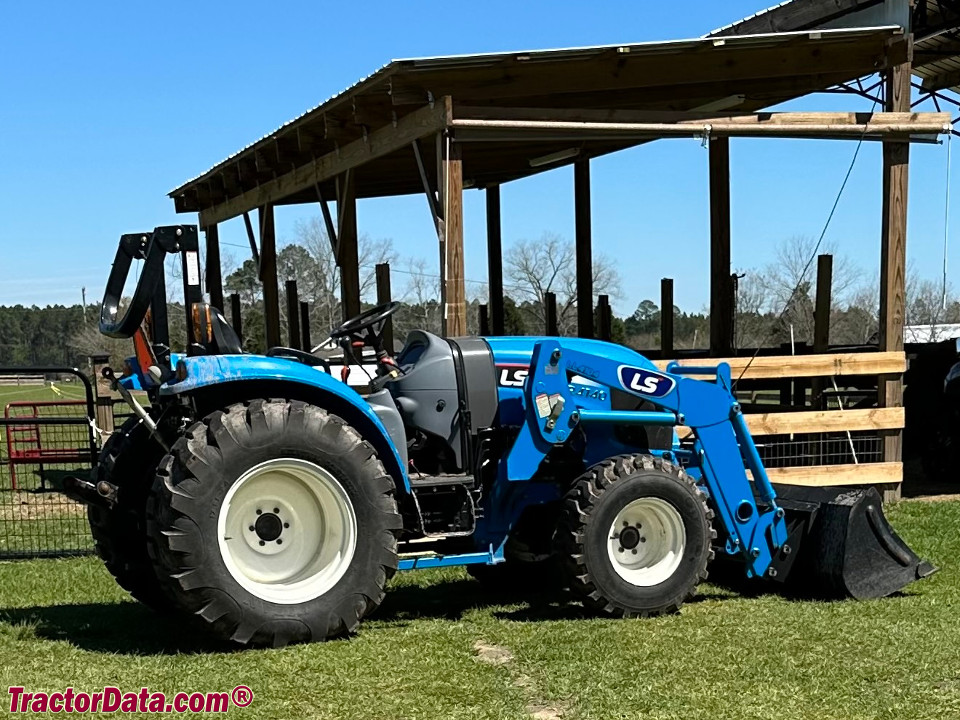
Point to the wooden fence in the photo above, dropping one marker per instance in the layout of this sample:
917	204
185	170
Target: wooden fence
882	420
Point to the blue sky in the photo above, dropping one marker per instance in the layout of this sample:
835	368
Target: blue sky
104	107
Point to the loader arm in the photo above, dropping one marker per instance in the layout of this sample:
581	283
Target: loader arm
754	524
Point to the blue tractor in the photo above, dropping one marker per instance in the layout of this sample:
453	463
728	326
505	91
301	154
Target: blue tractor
271	501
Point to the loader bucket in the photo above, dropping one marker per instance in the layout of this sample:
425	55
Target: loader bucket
841	545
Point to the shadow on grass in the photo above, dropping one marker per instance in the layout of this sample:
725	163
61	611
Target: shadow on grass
452	600
126	628
129	628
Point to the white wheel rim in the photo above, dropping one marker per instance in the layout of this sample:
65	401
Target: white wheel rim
303	537
646	541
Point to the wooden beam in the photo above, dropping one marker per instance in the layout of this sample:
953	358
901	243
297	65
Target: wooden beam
838	126
383	297
420	123
719	123
332	235
721	312
494	260
584	251
252	239
293	315
268	276
666	317
214	275
774	367
817	421
881	473
454	281
893	254
348	256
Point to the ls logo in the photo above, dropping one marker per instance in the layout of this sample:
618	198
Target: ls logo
645	382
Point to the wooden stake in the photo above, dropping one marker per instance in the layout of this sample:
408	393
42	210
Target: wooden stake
383	297
305	326
268	276
214	276
721	313
584	252
494	260
666	318
293	315
236	317
550	314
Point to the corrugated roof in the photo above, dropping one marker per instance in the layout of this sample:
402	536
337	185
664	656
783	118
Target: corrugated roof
756	70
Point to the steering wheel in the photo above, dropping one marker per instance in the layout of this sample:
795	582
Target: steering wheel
370	321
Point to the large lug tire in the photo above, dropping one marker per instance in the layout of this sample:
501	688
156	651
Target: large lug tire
129	460
274	522
635	537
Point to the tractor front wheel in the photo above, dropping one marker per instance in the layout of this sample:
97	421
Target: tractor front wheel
128	460
635	537
275	523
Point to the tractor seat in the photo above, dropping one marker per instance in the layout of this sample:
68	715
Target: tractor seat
218	336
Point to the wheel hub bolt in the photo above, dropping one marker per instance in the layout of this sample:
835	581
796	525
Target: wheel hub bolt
252	528
279	541
262	543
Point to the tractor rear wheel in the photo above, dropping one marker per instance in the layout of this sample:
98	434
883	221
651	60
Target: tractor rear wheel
274	522
129	460
635	537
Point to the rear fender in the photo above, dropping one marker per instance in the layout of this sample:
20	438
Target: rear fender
219	380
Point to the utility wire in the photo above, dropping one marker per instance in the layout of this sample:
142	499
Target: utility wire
813	255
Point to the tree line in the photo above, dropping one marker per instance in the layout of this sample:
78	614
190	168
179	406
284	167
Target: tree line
774	303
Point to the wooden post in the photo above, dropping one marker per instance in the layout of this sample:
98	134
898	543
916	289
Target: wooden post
821	322
494	261
347	251
483	319
893	260
666	318
305	326
236	316
268	276
293	315
721	313
604	318
103	395
584	251
383	297
454	283
550	314
214	276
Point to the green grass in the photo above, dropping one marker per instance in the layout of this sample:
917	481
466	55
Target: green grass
64	622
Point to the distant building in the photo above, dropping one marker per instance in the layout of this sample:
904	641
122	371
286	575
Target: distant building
930	333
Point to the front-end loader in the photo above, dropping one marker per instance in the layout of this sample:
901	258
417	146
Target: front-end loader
270	500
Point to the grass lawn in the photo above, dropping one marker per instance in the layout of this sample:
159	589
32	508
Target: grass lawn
441	648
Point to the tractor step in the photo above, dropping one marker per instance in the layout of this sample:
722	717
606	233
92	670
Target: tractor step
423	481
445	504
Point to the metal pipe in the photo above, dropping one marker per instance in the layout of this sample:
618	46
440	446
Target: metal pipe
627	417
